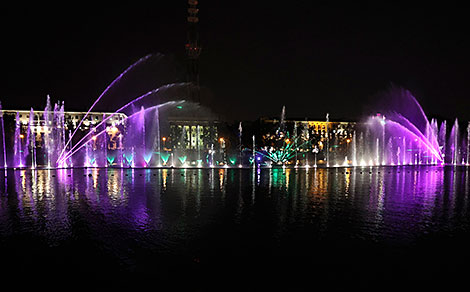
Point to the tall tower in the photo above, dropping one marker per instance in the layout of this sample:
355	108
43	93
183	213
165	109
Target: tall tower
193	50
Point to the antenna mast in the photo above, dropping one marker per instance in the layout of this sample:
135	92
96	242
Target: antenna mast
193	50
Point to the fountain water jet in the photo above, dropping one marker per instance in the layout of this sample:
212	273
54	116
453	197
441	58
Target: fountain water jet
141	60
130	158
160	89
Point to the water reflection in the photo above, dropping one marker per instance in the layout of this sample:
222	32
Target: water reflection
168	206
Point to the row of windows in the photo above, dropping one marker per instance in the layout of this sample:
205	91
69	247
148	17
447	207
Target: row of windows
37	116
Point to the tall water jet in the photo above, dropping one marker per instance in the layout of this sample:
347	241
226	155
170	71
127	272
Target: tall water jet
294	137
383	123
47	132
406	122
327	140
145	156
106	160
55	130
442	138
306	136
377	150
360	152
18	159
454	143
131	103
198	145
31	139
141	60
390	159
240	130
88	159
157	145
212	155
468	143
282	124
121	151
3	138
134	141
433	133
62	125
70	146
254	152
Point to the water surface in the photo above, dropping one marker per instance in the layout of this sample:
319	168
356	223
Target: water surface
225	228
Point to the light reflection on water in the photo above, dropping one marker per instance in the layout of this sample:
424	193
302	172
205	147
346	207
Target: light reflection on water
180	210
383	203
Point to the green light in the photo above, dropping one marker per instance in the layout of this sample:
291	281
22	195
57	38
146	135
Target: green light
182	159
110	159
284	154
165	157
179	107
128	158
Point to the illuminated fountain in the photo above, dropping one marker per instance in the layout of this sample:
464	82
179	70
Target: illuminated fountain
45	139
135	148
403	135
2	123
396	134
400	134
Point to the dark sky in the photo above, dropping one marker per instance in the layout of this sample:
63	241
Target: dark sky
257	55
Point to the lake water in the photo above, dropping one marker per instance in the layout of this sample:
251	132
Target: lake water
238	229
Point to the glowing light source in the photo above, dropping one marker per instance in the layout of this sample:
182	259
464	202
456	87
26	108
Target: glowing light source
114	130
165	157
182	159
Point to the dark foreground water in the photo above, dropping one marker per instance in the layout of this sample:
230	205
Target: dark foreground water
237	229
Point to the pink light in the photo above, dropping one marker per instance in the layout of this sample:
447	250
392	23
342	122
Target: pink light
102	94
72	151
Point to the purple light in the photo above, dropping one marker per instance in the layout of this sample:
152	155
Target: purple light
71	151
102	94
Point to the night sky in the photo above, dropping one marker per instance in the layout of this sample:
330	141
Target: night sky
257	55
